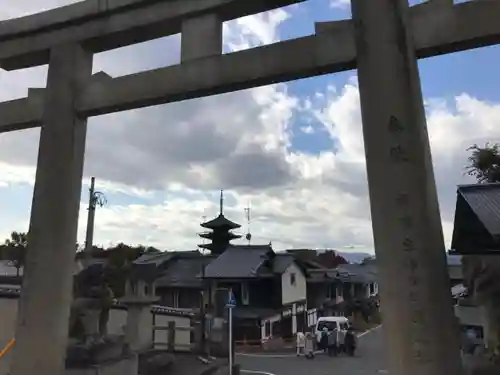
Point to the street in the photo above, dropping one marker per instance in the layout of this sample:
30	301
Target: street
369	360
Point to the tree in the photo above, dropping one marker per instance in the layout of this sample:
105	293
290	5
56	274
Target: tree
15	250
119	265
484	163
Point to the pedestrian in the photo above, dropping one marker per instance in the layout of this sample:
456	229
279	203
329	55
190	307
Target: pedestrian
323	341
350	342
300	343
309	345
332	343
340	340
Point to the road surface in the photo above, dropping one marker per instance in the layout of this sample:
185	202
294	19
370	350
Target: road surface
369	360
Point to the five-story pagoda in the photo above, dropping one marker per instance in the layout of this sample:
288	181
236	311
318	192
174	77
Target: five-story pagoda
220	235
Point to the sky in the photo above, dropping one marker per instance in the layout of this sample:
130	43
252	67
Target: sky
292	152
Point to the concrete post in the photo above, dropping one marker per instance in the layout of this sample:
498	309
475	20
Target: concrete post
415	289
42	323
139	327
201	37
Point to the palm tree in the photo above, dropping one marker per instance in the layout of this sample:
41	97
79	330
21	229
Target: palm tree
16	247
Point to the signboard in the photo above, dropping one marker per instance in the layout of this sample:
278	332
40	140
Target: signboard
231	301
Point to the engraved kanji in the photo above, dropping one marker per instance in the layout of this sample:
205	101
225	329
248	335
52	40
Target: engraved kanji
395	125
406	222
413	279
402	199
413	295
408	244
412	265
398	153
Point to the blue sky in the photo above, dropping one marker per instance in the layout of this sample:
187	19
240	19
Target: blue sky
306	188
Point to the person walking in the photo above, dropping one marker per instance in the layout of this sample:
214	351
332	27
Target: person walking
323	341
310	339
300	343
350	342
341	340
332	343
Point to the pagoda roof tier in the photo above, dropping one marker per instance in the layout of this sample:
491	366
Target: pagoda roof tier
220	222
208	246
212	235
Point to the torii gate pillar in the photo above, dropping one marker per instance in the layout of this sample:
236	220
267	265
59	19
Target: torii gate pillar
415	289
44	307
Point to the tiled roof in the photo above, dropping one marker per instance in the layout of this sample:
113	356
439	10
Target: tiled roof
476	228
184	271
240	262
356	273
359	273
220	222
155	258
484	200
281	262
248	312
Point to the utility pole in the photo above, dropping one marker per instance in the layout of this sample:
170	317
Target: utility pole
248	235
95	198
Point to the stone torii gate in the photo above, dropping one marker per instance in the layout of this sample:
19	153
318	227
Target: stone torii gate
382	41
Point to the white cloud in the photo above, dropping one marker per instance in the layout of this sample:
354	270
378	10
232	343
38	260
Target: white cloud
340	3
307	129
173	158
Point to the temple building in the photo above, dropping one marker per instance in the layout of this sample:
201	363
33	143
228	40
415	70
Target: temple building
220	235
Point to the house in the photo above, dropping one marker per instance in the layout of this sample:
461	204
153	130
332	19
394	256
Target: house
330	290
476	229
179	284
269	288
455	270
476	237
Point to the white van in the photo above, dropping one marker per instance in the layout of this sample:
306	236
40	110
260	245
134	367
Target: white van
341	323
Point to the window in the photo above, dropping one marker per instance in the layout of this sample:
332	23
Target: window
292	279
245	298
329	325
267	329
344	326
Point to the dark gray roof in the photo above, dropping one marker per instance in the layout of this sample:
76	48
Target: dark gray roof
355	273
359	272
476	228
484	200
240	262
220	222
247	312
281	262
156	258
184	271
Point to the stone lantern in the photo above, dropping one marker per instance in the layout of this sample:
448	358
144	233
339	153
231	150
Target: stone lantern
139	297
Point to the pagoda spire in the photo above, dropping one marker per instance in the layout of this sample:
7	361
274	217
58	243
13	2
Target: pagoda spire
221	202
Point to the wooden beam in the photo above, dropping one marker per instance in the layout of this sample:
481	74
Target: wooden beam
436	31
